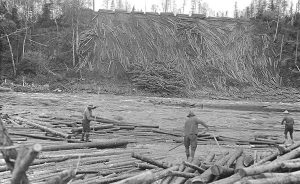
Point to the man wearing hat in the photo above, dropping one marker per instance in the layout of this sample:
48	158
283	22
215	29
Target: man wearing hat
191	133
289	125
87	118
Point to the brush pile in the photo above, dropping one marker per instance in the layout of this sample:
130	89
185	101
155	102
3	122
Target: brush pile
218	53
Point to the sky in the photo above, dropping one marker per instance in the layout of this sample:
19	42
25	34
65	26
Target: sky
216	5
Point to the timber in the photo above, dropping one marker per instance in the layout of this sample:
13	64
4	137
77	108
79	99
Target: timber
199	169
182	174
24	159
229	180
221	171
63	177
150	161
289	178
95	128
196	161
239	163
44	128
98	144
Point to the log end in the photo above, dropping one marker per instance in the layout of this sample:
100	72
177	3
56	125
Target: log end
37	148
215	170
242	172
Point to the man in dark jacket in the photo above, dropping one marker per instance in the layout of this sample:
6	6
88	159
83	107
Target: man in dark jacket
87	118
191	132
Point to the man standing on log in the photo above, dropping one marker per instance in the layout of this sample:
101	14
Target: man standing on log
191	133
289	125
87	118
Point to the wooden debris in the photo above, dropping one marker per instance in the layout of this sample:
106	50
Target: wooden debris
151	161
62	178
44	128
24	159
98	144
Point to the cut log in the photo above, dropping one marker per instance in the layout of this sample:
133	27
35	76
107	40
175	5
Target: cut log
283	150
248	160
95	128
289	178
39	137
9	155
98	144
151	161
268	158
250	171
144	166
63	178
290	155
269	141
24	159
207	176
183	174
196	161
229	180
234	156
147	177
222	171
44	128
239	163
290	165
199	169
166	132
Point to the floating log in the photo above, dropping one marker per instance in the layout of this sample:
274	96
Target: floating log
199	169
290	165
182	174
223	171
239	163
289	178
268	158
207	176
166	132
269	141
39	137
63	178
112	179
229	180
98	127
196	161
283	150
98	144
151	161
248	160
290	155
44	128
144	166
234	156
24	159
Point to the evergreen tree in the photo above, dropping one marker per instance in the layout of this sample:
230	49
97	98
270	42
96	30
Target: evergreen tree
291	9
251	9
112	5
193	8
105	4
271	6
120	4
236	13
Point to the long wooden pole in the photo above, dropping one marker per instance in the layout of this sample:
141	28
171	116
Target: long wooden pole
24	159
44	128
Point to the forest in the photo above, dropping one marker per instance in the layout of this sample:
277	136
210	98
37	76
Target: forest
59	44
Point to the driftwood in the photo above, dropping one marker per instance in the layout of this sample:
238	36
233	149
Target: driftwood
63	177
44	128
24	159
98	144
151	161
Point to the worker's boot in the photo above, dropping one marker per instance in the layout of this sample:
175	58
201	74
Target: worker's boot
82	136
87	135
193	153
187	152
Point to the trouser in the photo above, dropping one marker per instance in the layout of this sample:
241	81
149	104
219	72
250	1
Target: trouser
86	135
289	129
190	140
